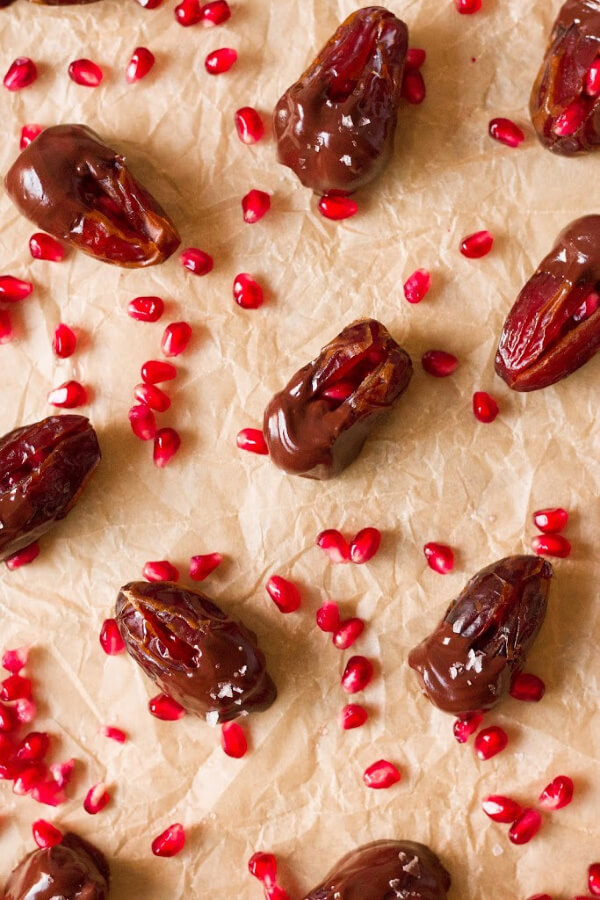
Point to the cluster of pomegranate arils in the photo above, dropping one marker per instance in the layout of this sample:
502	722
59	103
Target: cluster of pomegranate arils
593	880
525	822
551	542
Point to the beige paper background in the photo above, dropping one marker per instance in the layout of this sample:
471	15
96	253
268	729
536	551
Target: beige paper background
431	473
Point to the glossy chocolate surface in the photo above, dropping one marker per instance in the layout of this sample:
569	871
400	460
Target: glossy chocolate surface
193	651
310	434
546	335
386	870
481	644
335	126
73	870
77	189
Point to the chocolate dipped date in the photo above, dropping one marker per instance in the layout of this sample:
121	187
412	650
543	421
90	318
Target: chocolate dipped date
565	100
554	325
76	188
335	126
317	425
193	651
384	870
43	469
72	870
481	644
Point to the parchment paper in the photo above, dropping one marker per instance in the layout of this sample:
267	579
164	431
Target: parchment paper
431	473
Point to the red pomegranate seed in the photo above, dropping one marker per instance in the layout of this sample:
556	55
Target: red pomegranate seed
165	708
42	246
196	261
233	740
202	565
188	12
365	545
417	285
48	792
215	13
548	897
15	660
170	842
528	688
154	372
160	570
166	445
571	119
557	794
23	557
62	772
68	395
328	617
335	545
551	545
64	342
220	61
381	774
263	866
594	879
29	134
8	718
551	521
255	205
34	746
283	593
501	809
110	638
15	687
468	7
113	733
25	710
439	363
506	132
252	440
490	741
348	633
175	339
274	892
439	557
415	58
465	726
485	408
150	395
247	292
6	329
336	208
14	289
21	73
45	834
250	127
525	828
29	778
352	716
139	65
146	309
592	79
96	799
86	73
413	86
149	4
341	390
143	422
476	245
357	674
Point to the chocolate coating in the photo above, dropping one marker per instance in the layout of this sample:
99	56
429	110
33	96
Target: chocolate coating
386	870
481	644
573	47
43	469
546	336
193	651
335	126
308	433
73	870
76	188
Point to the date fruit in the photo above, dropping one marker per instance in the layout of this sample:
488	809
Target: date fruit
554	326
193	651
71	870
77	189
335	126
317	425
43	469
565	100
383	870
481	644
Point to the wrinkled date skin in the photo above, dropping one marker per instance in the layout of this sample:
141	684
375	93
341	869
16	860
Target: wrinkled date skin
76	188
43	469
561	81
335	126
481	644
312	434
73	870
554	326
193	651
385	870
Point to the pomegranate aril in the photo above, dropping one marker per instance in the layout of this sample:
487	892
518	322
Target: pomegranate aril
365	545
552	520
29	134
6	328
501	809
347	633
415	58
592	79
110	638
417	285
283	593
160	570
255	205
252	440
139	65
557	794
21	73
247	292
8	718
150	4
352	716
25	711
196	261
490	741
64	341
188	12
381	774
220	61
175	338
328	617
250	127
467	7
233	740
15	660
275	892
439	363
485	408
527	688
14	289
68	395
85	72
551	545
335	545
465	726
146	309
594	879
8	770
96	799
263	866
337	208
202	565
413	86
15	687
170	842
548	897
215	13
34	746
166	444
62	772
45	834
48	792
506	132
440	557
571	119
113	733
357	674
29	778
150	395
43	246
165	708
476	245
525	828
154	371
143	422
23	557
